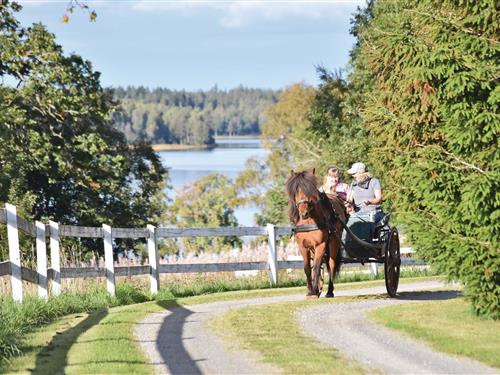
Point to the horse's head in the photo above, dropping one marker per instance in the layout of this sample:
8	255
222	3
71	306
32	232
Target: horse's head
305	204
303	194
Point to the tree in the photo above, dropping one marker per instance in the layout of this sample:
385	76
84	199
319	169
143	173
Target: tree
61	156
283	132
207	203
430	104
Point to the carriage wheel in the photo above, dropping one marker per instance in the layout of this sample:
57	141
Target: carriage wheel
392	262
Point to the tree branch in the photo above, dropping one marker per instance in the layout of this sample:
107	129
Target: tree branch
456	158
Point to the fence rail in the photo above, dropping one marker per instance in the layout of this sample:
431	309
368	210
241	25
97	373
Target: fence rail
53	231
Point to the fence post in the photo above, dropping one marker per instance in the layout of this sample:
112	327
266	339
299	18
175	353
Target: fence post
55	260
273	257
16	281
108	259
153	259
374	269
41	260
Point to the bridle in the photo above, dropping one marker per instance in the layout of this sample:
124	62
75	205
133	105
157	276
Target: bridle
309	203
313	227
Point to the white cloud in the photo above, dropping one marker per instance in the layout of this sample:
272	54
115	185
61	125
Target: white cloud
234	14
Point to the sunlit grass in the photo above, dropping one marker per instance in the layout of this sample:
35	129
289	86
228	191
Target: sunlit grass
449	326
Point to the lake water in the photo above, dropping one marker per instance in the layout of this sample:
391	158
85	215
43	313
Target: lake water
228	158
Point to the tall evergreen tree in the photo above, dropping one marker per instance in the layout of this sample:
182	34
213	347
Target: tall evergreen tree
430	102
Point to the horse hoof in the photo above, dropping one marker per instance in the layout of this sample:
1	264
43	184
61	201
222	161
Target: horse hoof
312	296
329	295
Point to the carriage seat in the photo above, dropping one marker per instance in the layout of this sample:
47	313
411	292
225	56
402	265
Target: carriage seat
382	222
364	228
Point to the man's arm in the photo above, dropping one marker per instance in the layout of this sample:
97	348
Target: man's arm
377	191
377	199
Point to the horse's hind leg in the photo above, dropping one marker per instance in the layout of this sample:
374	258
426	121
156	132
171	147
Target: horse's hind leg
334	251
330	264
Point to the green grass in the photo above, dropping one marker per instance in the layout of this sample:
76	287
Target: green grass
99	342
98	339
19	319
200	286
448	326
272	331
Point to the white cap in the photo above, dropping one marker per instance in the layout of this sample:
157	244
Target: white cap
357	168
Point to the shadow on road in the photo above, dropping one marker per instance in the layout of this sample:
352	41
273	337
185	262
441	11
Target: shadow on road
175	355
439	295
53	359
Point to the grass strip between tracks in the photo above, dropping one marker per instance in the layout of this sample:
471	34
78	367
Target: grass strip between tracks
272	332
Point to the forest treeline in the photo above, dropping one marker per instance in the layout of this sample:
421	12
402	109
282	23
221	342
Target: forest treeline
169	116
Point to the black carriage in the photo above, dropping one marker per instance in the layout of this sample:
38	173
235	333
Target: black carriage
366	241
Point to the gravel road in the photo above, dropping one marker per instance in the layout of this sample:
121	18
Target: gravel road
179	341
378	348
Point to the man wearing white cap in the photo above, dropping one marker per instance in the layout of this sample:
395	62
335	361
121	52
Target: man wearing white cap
365	194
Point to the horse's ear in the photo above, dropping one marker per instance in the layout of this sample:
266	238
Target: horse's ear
292	173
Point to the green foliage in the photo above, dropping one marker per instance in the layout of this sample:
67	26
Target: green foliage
207	203
313	128
61	157
335	124
180	117
283	134
429	97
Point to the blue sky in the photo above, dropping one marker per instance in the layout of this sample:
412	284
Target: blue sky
198	44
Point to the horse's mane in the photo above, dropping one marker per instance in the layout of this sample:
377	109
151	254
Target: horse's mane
301	181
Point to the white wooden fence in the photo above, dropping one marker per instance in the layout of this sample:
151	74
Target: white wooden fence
53	231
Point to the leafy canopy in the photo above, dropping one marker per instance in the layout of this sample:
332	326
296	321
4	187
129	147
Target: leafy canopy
61	157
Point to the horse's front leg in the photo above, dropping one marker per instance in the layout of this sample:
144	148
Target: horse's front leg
307	267
316	268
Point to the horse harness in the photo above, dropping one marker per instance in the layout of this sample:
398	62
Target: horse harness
312	227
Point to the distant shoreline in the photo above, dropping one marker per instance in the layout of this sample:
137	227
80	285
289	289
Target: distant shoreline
177	147
254	136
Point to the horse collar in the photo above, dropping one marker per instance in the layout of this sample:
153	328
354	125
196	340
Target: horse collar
307	228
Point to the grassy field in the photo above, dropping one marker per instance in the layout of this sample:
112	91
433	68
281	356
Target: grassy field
102	341
448	326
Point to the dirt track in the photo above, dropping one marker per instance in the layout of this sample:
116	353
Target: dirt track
179	341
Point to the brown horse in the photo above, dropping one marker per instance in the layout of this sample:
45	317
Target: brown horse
317	228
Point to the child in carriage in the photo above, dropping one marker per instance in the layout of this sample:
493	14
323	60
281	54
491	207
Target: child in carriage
334	185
